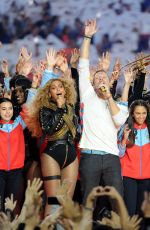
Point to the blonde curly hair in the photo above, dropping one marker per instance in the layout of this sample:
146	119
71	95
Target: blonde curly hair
42	99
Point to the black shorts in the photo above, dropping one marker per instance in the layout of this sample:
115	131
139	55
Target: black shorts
63	153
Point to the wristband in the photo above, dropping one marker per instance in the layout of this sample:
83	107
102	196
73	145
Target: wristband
87	37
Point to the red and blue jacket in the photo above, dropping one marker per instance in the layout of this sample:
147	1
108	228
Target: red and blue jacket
12	146
135	161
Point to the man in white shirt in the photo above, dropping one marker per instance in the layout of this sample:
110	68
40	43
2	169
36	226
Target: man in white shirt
102	117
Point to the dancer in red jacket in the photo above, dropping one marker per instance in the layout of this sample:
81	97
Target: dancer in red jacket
134	145
12	153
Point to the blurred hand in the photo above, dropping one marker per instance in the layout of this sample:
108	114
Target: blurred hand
24	67
4	66
50	221
110	191
36	80
114	222
24	54
126	132
104	61
61	62
10	203
133	223
129	76
96	191
64	66
42	65
74	58
64	189
146	205
116	72
33	189
4	221
51	58
71	210
90	28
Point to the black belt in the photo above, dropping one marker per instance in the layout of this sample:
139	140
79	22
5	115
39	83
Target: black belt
61	142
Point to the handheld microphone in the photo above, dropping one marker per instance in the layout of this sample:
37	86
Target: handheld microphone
59	95
102	89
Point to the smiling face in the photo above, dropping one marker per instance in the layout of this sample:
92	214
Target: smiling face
6	111
140	114
19	94
57	89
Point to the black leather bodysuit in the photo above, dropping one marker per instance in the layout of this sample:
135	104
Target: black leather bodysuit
62	149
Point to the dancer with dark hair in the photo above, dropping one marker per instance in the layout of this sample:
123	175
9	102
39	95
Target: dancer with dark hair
12	153
134	145
20	85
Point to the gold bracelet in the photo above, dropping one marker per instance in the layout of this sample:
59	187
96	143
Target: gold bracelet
34	87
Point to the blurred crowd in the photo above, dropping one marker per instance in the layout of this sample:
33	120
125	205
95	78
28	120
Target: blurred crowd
45	23
38	20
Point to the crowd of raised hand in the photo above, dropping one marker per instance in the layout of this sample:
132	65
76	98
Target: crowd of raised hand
71	215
